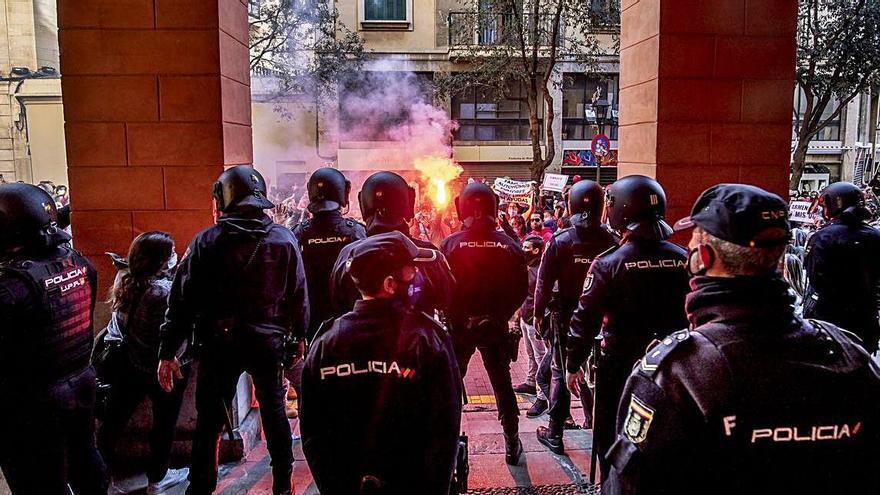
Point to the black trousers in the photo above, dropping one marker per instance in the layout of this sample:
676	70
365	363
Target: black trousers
48	442
611	375
128	391
494	351
559	397
221	363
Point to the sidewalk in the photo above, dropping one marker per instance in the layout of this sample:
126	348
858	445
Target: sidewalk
540	472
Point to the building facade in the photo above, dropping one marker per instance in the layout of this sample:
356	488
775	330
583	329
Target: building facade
845	149
424	38
31	117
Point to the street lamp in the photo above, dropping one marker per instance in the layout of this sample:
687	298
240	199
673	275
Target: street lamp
601	107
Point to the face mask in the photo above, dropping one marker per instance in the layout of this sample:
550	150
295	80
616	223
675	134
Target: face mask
172	261
406	293
699	263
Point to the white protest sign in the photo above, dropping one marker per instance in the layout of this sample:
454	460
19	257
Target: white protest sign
799	211
513	190
555	182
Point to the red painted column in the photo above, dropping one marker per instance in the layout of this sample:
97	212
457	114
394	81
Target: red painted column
706	94
156	102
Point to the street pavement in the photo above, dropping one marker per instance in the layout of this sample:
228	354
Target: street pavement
540	472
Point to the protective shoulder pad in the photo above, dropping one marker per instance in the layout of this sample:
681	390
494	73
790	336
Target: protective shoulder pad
325	326
302	226
663	348
429	320
561	232
828	329
608	251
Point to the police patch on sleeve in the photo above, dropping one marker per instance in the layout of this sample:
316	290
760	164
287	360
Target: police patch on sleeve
638	420
588	282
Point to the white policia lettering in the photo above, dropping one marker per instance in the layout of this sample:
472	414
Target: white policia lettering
378	367
729	423
66	280
585	261
815	433
328	240
484	244
64	277
651	264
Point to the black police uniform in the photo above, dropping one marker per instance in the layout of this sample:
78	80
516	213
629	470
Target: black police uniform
564	266
381	398
430	292
843	269
47	425
491	284
633	293
241	285
321	238
753	400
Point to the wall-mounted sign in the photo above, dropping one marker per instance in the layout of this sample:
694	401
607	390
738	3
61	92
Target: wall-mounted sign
586	158
600	146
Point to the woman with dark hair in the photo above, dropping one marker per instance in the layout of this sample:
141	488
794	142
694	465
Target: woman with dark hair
139	298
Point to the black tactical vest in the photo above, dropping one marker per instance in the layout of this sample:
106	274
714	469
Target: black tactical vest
320	244
56	342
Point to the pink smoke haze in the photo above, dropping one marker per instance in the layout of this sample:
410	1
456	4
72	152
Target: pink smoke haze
396	107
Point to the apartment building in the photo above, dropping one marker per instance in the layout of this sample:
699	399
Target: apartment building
426	38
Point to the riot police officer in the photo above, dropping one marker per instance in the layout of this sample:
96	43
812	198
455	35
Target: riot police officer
564	265
47	296
387	202
633	293
842	265
492	281
381	390
241	285
752	398
323	236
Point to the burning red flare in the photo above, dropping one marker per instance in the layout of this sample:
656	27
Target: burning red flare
437	172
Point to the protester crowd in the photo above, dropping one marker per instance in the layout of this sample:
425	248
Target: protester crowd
744	356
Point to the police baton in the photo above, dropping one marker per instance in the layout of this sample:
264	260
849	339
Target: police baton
593	365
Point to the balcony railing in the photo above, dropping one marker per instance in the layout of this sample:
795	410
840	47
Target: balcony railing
492	29
262	71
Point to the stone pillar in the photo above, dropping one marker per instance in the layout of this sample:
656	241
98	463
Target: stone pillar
555	88
706	94
156	103
17	49
849	136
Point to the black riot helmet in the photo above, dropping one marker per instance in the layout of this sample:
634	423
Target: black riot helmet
28	218
586	198
386	201
637	204
477	199
239	187
328	190
843	197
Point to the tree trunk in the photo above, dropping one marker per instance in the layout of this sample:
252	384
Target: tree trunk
549	139
798	162
537	166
